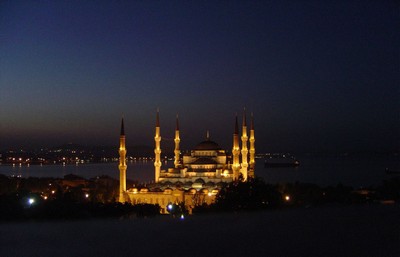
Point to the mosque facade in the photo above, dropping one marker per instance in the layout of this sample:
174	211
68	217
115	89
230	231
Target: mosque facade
197	177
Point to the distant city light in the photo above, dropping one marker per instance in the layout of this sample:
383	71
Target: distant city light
31	201
170	206
87	195
287	198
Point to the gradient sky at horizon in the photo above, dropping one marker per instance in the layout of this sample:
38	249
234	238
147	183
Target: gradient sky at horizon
318	75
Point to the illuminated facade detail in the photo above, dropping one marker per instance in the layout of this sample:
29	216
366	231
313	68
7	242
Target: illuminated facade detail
236	152
244	151
177	152
122	164
204	166
206	163
163	198
196	178
252	147
157	149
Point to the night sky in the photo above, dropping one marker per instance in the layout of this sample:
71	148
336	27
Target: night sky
318	75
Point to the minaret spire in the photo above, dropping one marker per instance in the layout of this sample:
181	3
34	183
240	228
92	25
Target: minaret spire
122	127
157	149
177	151
122	164
244	117
244	151
236	151
252	147
236	126
158	118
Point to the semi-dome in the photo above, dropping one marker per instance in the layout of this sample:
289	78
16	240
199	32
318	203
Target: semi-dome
200	181
207	145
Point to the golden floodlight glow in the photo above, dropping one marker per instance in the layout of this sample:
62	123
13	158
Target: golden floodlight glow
201	171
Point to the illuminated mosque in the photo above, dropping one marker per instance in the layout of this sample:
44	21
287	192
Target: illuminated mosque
195	178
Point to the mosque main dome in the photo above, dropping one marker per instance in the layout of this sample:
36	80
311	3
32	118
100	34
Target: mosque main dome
207	145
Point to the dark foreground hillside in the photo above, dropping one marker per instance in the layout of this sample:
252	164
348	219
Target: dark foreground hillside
337	230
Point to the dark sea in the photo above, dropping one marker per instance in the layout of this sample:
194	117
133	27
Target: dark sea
329	230
340	231
352	170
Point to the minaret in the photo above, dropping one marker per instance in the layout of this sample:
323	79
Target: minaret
244	151
122	164
177	140
252	147
157	150
236	152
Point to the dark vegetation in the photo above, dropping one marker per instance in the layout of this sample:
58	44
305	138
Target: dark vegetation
17	207
70	198
74	197
255	194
